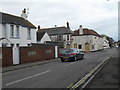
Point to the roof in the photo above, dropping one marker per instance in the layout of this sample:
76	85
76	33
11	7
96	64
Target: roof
40	35
86	32
8	18
57	31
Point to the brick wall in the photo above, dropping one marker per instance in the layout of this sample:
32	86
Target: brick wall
33	54
7	56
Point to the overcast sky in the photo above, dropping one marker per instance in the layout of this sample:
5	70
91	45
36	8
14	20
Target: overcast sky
99	15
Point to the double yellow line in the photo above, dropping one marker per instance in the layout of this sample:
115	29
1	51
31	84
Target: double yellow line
82	81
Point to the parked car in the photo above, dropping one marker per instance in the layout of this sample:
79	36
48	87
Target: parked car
71	54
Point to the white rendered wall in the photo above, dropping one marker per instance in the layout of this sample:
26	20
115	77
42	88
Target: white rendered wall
22	40
1	34
81	40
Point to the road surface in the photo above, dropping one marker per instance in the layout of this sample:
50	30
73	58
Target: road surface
55	74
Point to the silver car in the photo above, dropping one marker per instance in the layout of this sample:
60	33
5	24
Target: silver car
71	54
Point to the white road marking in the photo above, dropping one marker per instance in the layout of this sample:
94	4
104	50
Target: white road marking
27	78
70	64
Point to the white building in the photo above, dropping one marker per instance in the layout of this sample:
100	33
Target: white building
86	40
42	37
105	42
16	31
59	34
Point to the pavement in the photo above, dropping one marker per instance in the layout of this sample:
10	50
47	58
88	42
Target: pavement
27	65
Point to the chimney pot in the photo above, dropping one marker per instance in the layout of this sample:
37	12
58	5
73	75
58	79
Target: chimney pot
68	25
38	27
55	25
24	10
80	25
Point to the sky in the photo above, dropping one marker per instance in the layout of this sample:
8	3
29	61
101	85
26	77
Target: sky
99	15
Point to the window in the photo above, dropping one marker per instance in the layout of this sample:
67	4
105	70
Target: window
60	38
29	44
11	31
68	37
12	45
4	44
92	46
80	46
17	31
17	45
28	33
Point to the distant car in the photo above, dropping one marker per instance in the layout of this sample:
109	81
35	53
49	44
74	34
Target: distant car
71	54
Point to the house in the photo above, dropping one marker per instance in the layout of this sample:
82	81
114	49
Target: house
16	31
59	34
86	40
105	41
42	37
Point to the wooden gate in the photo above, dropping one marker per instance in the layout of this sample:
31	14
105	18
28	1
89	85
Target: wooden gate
87	47
75	45
67	46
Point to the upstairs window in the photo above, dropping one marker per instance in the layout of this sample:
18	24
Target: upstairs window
29	33
68	37
60	38
11	31
17	31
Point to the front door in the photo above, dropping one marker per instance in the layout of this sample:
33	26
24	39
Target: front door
87	47
67	46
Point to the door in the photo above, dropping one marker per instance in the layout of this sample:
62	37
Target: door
67	46
56	51
16	58
87	47
75	45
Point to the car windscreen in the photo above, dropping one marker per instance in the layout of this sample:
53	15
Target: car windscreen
67	51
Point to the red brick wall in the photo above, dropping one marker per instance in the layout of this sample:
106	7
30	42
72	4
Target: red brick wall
33	54
7	59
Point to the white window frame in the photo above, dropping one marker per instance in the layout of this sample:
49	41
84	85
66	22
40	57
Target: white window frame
28	33
17	31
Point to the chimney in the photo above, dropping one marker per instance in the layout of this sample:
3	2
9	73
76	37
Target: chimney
38	27
80	30
24	14
68	25
55	25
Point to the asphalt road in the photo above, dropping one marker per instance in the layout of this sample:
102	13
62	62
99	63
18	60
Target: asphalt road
55	74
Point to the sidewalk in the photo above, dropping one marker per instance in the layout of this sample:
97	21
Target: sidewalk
21	66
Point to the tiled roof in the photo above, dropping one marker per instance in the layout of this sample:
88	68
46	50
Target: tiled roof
57	31
7	18
86	32
40	35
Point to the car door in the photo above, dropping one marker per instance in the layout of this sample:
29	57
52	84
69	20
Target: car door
77	53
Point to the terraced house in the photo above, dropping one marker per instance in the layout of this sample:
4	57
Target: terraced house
16	31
